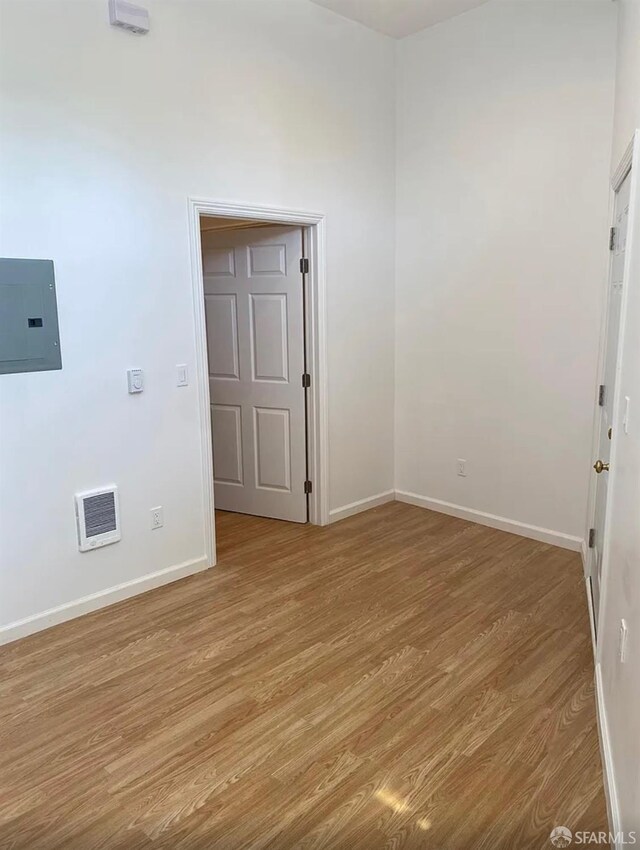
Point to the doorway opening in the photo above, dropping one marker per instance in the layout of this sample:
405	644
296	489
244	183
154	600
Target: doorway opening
259	304
254	293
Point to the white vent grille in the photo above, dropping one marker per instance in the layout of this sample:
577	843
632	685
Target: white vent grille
129	16
97	518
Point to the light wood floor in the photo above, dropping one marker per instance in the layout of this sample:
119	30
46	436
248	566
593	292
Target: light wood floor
400	679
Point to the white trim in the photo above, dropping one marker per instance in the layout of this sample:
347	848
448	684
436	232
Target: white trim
95	601
278	215
317	350
544	535
361	505
624	166
202	380
317	347
610	792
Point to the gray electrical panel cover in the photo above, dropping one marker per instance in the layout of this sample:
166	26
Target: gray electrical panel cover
29	337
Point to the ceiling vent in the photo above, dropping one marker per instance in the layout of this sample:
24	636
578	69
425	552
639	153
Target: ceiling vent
128	16
97	518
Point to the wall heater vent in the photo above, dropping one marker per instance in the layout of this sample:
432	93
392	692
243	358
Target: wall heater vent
97	518
128	16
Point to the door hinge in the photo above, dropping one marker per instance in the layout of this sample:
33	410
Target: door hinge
592	538
304	265
612	238
306	380
601	395
308	487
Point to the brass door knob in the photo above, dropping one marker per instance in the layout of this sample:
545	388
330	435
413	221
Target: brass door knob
599	467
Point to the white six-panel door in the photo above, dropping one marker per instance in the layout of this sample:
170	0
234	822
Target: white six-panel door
254	307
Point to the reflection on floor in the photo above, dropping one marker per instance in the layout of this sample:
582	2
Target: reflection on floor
399	679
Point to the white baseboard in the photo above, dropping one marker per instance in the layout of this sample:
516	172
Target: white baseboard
610	792
534	532
361	505
70	610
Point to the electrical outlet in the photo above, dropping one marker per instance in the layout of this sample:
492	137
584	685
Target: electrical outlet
157	517
622	647
461	467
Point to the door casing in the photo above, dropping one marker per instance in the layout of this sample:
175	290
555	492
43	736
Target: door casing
316	349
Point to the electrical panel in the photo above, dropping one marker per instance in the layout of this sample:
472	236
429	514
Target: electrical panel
29	336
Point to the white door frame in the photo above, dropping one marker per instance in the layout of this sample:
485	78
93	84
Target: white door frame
629	160
316	319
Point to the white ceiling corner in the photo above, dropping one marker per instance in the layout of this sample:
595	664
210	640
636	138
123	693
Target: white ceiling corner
399	18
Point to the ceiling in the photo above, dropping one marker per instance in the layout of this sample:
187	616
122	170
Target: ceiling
399	18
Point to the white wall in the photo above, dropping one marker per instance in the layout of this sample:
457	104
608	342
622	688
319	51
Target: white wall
627	101
620	683
503	151
105	135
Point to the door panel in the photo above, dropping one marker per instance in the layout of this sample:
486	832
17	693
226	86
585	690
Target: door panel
226	423
222	336
272	449
219	262
268	259
616	276
269	337
255	336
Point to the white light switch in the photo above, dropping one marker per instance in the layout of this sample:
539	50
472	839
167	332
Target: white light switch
182	374
625	418
622	646
135	380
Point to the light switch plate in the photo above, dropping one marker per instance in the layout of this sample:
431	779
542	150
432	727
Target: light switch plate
622	647
182	375
625	418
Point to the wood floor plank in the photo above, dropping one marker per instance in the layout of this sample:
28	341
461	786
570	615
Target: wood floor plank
401	679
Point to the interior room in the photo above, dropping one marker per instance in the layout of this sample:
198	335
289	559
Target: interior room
319	431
